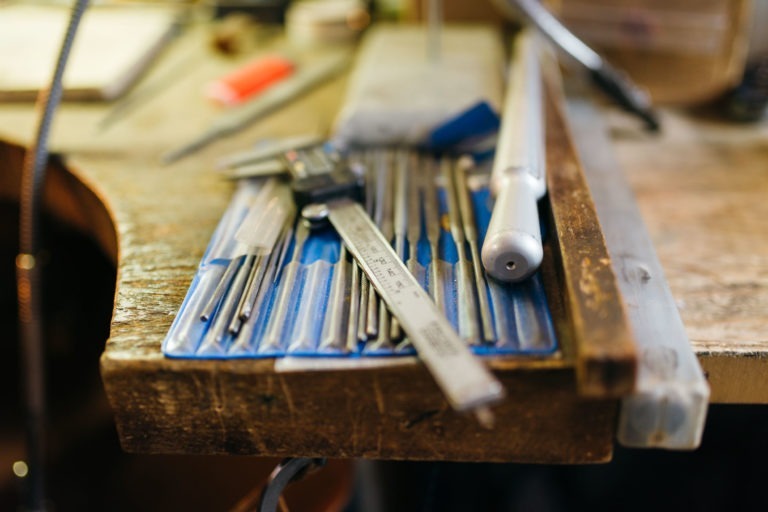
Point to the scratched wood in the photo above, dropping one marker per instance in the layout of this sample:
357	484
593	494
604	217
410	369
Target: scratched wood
701	185
163	218
606	357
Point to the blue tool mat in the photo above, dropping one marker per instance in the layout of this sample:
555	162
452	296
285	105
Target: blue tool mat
310	283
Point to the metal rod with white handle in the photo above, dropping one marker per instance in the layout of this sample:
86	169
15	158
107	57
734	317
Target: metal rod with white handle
512	248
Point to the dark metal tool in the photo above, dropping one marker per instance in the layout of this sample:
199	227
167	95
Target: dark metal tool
289	470
613	82
228	123
375	179
227	309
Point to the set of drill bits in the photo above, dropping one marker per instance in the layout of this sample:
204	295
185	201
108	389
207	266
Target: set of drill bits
269	285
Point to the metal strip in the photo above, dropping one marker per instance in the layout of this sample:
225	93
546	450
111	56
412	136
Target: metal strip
668	408
466	382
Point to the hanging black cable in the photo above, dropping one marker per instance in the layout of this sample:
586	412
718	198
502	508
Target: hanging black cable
28	273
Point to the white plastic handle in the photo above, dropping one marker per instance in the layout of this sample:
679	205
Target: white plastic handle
512	248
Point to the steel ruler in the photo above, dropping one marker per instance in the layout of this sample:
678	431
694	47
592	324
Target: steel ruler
467	383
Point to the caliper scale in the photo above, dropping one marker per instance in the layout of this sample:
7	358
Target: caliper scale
327	191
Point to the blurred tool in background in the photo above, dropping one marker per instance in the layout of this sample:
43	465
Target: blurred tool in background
748	100
116	46
308	76
613	82
398	95
250	79
681	52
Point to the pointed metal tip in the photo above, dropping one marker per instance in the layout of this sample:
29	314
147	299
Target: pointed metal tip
485	417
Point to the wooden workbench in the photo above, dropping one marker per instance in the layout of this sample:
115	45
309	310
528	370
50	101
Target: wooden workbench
155	221
701	187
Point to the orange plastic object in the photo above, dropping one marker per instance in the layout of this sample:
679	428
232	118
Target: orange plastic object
255	76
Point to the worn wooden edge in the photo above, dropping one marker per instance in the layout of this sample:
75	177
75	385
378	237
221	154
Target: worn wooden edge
170	406
720	370
239	407
543	419
606	357
164	405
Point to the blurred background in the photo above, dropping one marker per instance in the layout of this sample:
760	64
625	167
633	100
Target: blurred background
709	54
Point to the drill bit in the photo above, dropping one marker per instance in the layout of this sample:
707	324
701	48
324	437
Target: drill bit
413	219
251	288
287	237
213	302
365	287
273	256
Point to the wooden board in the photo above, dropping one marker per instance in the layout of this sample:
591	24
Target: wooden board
243	407
254	410
670	382
606	358
113	46
701	188
163	218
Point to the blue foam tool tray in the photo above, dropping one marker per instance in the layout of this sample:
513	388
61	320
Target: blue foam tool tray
521	316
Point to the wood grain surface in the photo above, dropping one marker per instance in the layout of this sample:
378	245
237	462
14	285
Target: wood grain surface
701	185
606	356
163	218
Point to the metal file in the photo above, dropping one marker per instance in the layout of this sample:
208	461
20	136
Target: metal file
466	382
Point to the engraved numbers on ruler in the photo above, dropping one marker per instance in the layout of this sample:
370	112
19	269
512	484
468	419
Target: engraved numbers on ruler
465	381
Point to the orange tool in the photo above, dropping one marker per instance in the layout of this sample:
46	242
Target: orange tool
255	76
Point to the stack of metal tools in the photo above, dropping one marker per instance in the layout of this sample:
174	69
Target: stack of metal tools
269	285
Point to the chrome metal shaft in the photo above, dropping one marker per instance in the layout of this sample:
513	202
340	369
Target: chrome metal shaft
470	232
466	305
